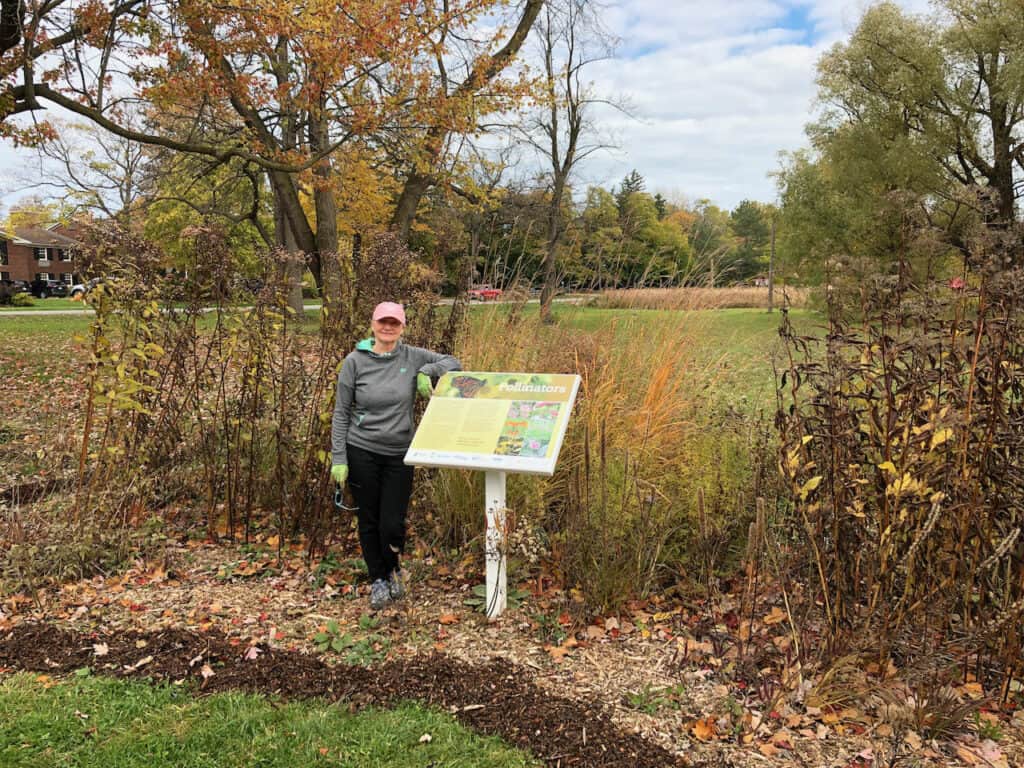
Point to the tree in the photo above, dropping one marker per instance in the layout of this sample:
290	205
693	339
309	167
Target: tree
34	211
571	39
752	230
602	237
631	184
454	106
92	171
938	100
661	204
712	240
282	87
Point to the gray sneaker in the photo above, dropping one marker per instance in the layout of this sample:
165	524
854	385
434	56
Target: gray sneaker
396	585
380	594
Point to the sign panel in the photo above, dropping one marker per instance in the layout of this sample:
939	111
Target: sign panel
506	422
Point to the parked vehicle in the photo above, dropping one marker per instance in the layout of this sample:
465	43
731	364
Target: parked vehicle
80	289
484	293
42	289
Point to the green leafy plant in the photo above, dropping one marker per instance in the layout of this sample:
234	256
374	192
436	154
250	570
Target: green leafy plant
333	639
650	699
478	600
549	629
987	728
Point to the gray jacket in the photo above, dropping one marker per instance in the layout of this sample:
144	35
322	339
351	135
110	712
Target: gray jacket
373	406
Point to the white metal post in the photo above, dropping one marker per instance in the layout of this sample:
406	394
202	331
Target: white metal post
497	572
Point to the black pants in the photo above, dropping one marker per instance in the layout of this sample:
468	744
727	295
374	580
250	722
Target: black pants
381	486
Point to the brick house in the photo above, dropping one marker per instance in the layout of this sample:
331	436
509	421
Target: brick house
28	253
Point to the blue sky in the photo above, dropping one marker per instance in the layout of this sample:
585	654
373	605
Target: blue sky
717	89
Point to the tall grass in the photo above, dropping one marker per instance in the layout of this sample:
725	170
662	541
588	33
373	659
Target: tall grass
623	513
701	298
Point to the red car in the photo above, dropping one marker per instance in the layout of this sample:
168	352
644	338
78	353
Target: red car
484	293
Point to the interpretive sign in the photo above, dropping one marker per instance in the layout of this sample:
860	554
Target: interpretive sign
500	423
512	422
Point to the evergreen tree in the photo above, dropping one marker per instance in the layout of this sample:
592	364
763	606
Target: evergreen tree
631	184
661	205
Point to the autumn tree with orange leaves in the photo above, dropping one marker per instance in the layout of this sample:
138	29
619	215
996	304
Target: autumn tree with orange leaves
312	95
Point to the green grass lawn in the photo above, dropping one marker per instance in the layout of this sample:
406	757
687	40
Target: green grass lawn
48	304
96	722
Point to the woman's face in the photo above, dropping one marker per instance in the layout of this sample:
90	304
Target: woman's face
387	329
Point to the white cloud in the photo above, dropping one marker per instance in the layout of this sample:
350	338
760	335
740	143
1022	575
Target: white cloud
718	89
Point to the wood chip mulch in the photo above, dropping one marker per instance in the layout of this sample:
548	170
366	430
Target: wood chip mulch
494	697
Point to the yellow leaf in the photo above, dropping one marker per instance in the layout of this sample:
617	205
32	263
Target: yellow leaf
941	436
887	466
809	486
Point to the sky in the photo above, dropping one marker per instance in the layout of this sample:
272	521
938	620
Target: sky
716	89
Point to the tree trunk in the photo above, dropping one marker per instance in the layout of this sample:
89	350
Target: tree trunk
326	211
293	267
1002	163
550	266
405	210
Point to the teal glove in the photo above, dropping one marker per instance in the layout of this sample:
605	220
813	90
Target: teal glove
339	473
423	385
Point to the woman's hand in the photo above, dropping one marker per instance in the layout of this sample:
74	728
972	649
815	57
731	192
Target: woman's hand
339	473
423	385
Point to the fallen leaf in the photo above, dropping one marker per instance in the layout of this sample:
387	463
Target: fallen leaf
448	618
913	740
426	738
973	690
968	756
775	616
100	649
253	653
768	749
704	729
557	652
139	664
595	632
207	672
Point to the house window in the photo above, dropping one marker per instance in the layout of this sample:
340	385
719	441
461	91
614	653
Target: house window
42	275
3	253
5	275
40	253
63	254
67	277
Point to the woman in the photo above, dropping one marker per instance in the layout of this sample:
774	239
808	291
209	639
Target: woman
370	433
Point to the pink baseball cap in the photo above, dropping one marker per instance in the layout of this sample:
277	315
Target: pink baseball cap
389	309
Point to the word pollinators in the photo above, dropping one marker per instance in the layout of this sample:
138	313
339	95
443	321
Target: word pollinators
517	387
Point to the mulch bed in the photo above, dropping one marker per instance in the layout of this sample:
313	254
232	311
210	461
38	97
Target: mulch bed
492	698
